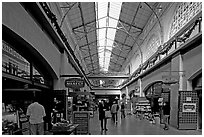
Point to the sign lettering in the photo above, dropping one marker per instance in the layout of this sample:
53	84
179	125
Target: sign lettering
74	83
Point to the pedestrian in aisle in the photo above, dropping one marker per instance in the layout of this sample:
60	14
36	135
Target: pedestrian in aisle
114	110
122	108
35	113
102	118
134	101
166	112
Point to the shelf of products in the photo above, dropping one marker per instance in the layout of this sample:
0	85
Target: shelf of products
14	122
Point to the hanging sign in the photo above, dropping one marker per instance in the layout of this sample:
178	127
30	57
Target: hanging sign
189	107
74	83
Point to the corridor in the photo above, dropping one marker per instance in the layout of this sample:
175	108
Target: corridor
134	126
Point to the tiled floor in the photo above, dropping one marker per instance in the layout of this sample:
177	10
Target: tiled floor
134	126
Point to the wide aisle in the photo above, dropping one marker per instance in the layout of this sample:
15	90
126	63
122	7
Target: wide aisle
133	126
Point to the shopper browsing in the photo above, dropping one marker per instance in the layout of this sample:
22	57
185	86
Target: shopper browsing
35	113
56	111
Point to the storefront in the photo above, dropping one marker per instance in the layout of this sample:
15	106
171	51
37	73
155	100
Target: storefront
157	96
22	80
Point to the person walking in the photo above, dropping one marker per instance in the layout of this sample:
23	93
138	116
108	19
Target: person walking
122	110
102	118
114	110
134	101
166	112
35	113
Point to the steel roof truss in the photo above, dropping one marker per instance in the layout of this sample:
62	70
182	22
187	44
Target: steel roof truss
83	25
88	44
81	12
131	25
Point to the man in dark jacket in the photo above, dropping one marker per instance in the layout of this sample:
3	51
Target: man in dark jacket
102	118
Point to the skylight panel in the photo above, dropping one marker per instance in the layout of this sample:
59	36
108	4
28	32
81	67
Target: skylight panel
102	9
106	30
114	8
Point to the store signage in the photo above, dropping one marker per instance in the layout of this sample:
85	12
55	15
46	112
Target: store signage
189	107
74	83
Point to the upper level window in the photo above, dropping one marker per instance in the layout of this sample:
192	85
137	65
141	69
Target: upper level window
151	47
14	64
183	14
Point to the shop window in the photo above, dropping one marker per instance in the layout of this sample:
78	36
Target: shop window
37	77
13	63
183	14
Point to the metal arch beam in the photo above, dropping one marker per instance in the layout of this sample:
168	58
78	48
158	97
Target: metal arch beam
157	19
107	77
80	9
115	63
73	29
92	63
154	14
87	26
69	5
160	29
131	25
120	43
92	55
112	68
87	23
114	53
115	41
88	44
94	69
110	28
131	35
66	13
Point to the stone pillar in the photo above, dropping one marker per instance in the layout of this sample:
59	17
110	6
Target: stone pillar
189	85
140	85
181	73
126	91
174	91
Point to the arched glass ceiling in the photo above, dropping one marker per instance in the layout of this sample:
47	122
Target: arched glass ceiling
105	33
105	12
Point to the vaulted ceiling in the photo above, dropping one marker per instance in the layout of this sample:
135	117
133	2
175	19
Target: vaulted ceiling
105	33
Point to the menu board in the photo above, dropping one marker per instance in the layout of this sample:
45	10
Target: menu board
81	118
